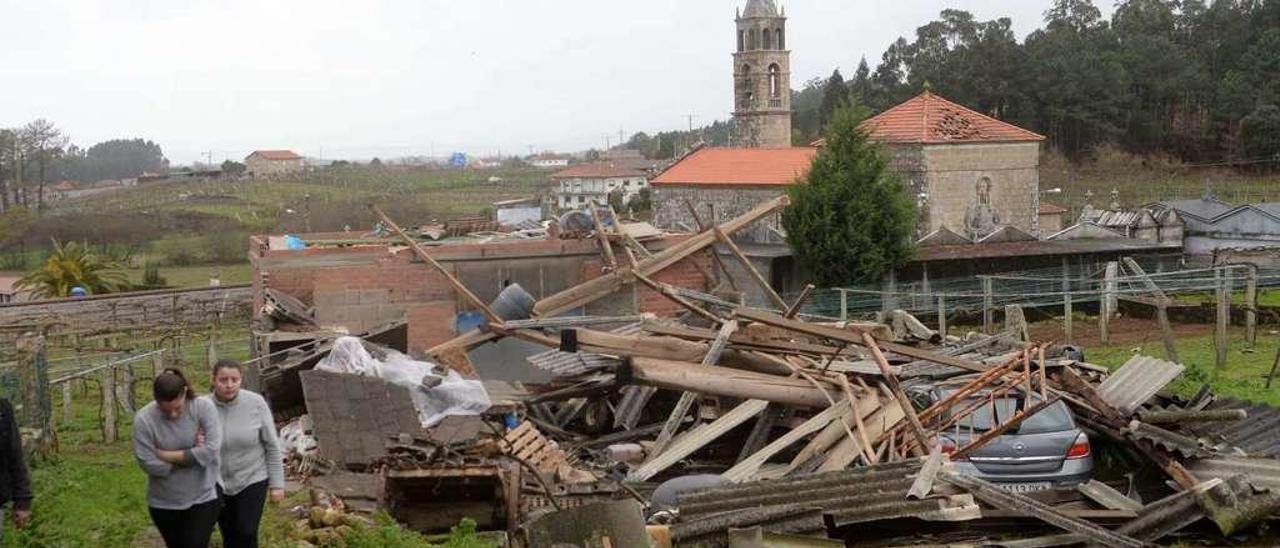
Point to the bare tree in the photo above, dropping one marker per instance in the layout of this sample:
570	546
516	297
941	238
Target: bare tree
45	143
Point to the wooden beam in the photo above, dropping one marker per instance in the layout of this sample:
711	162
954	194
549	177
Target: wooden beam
854	336
715	257
746	469
665	291
723	381
795	306
917	429
687	398
589	291
605	246
1162	309
751	269
426	257
697	438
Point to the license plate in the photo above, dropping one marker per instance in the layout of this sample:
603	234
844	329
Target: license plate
1025	487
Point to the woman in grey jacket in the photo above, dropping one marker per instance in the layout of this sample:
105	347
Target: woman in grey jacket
177	440
251	464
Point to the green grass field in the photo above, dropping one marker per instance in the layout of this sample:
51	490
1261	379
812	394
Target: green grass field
93	493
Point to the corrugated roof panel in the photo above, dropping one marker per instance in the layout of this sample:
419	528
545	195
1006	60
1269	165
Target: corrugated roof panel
1135	382
1261	472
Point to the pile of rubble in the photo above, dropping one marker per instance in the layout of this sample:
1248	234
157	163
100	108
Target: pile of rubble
737	426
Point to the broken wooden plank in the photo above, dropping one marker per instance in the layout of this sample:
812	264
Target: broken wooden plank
853	335
799	302
596	288
611	262
751	269
426	257
844	452
744	470
666	291
697	438
687	398
723	381
917	429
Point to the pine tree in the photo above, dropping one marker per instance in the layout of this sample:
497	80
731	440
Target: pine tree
850	220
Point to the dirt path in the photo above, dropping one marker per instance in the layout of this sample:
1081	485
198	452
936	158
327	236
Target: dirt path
1135	331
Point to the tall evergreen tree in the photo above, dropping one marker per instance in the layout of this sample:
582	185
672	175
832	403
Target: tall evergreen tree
850	218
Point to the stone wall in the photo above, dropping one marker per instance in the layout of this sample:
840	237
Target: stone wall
142	309
717	204
953	172
359	288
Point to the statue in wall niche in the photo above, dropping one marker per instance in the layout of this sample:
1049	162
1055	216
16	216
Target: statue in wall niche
981	219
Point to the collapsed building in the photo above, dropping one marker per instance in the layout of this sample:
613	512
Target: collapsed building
655	409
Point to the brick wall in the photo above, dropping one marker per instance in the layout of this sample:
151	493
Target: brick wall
358	288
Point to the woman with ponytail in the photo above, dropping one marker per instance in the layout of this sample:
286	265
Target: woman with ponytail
177	440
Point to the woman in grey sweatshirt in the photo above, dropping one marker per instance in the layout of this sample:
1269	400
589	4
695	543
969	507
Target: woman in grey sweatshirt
177	440
251	463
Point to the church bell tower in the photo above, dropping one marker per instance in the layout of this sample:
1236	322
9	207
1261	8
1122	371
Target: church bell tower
761	78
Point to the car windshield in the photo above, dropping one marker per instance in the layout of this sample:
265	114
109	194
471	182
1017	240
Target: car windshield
1053	418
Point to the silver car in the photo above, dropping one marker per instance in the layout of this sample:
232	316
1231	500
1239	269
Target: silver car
1045	450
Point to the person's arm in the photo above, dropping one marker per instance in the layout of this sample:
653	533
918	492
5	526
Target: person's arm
21	488
145	451
207	454
271	446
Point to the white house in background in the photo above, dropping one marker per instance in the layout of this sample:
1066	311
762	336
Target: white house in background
584	184
547	160
9	293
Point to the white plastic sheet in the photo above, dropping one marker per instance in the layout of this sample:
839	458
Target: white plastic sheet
295	439
436	393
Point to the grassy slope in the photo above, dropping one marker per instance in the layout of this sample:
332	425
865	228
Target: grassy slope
1243	377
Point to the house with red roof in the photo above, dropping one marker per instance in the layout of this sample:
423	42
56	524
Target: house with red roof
267	163
584	184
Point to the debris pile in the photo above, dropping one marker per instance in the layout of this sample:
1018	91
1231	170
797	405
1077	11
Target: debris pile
734	425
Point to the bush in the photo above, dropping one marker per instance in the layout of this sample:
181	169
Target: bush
151	277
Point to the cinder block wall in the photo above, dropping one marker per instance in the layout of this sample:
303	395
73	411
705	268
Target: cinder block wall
359	288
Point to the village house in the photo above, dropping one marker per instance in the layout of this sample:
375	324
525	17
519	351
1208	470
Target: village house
548	160
585	184
267	163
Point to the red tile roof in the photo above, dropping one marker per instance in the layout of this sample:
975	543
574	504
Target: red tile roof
277	154
739	166
930	119
598	171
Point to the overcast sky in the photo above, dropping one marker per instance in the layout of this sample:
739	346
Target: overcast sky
389	78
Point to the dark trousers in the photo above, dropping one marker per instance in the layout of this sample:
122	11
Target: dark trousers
241	514
188	528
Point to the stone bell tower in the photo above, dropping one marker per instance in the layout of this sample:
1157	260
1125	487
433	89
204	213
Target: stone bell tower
762	78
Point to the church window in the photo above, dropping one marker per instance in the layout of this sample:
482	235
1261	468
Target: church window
753	39
741	38
768	39
781	43
775	80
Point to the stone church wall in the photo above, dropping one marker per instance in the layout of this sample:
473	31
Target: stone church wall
953	172
716	204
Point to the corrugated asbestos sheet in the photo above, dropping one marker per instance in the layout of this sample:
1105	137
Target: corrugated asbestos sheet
1186	446
851	496
564	364
1263	473
1257	435
1139	379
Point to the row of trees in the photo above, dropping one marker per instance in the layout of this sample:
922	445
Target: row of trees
1193	79
38	153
